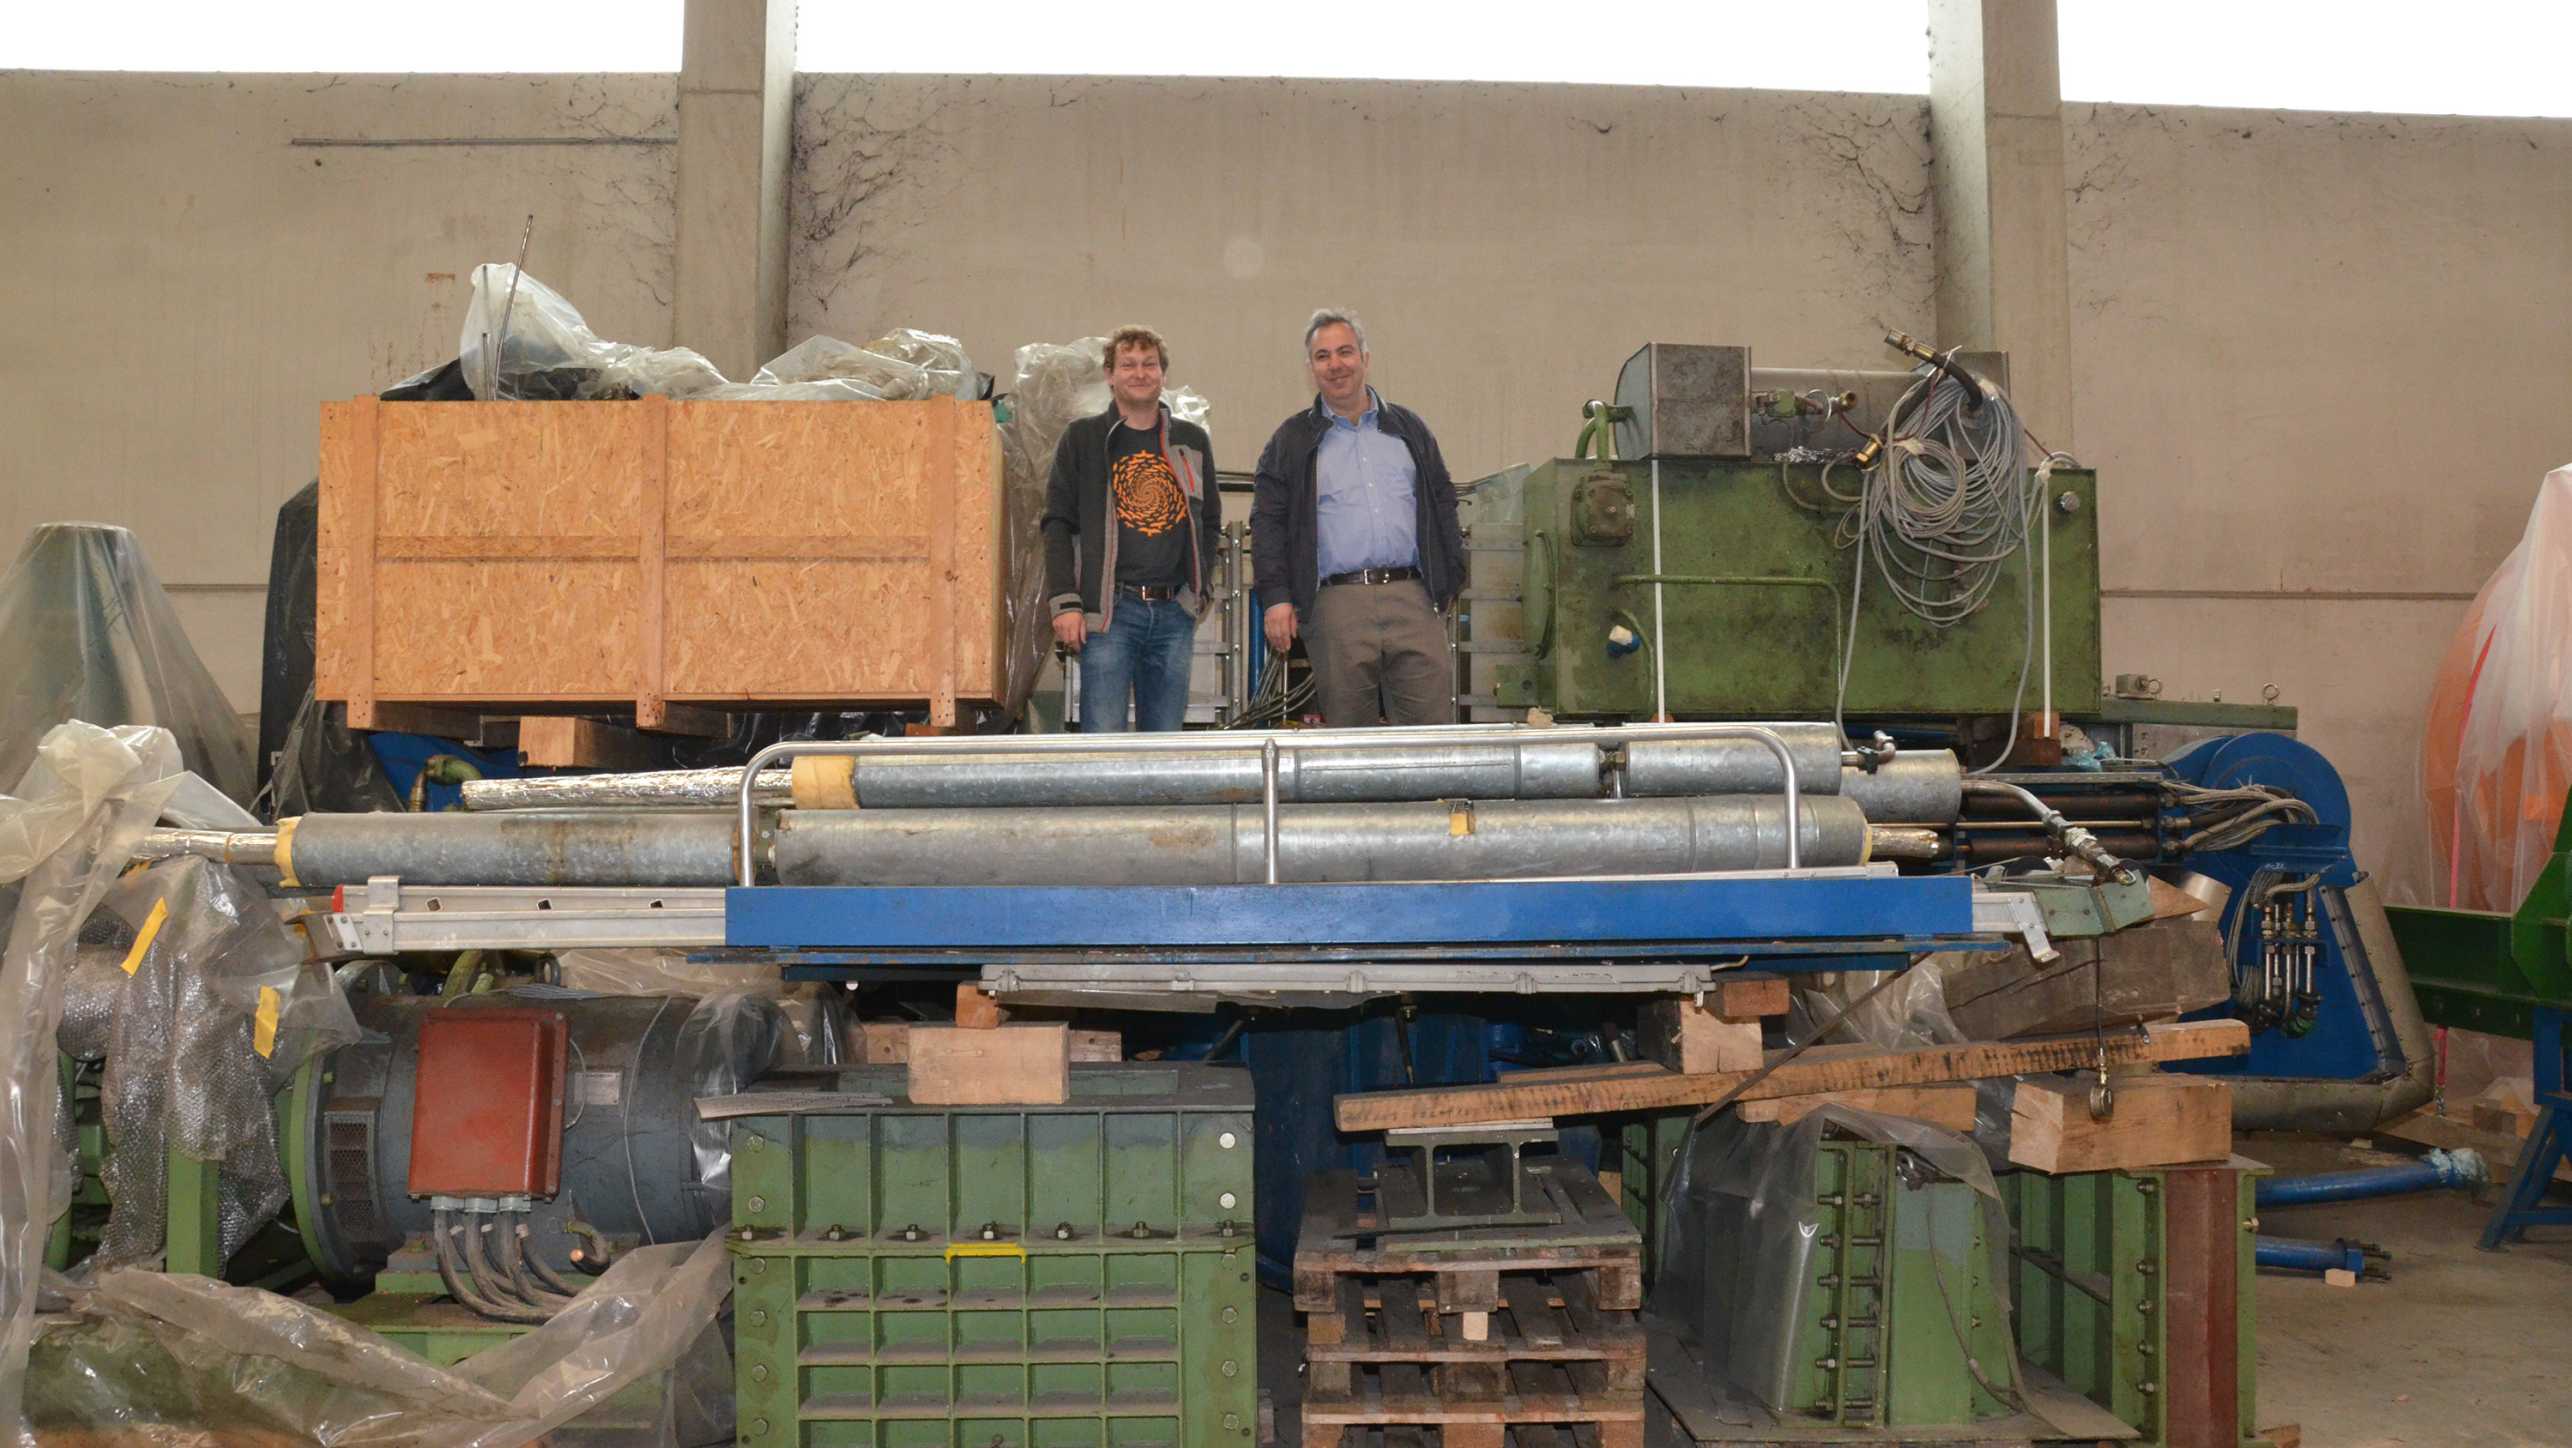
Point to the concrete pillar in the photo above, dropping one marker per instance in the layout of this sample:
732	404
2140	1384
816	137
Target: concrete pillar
1996	159
736	128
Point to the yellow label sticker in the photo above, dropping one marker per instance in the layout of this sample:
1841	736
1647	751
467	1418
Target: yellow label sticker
984	1249
143	938
263	1026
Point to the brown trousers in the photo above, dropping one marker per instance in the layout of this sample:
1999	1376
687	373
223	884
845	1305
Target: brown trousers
1380	656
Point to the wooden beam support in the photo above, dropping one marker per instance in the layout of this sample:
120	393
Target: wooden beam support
2153	1121
1822	1068
1950	1105
563	742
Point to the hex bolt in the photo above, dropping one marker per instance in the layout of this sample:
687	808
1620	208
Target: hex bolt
1231	1314
911	1233
1140	1230
991	1231
759	1372
1231	1369
833	1233
758	1204
1227	1141
760	1428
1227	1201
1062	1231
759	1317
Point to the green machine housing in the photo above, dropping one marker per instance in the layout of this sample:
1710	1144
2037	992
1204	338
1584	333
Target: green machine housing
1071	1276
1755	597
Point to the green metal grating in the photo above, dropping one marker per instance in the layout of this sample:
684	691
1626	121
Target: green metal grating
1074	1276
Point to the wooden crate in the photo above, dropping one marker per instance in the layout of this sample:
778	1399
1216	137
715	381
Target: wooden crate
505	556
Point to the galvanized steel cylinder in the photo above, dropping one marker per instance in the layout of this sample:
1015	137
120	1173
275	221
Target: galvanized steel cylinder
1223	844
1494	770
1734	766
585	847
1919	787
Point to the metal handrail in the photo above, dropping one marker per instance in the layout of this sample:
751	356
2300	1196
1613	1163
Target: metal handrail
1270	743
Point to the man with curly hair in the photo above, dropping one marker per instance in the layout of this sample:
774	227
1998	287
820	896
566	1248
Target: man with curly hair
1132	527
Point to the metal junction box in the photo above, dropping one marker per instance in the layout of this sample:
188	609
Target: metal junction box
1684	401
1072	1276
487	1115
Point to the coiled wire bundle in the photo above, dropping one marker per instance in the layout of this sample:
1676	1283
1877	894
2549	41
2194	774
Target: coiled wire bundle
1947	504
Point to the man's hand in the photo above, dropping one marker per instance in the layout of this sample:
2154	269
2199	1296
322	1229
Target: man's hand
1280	624
1071	629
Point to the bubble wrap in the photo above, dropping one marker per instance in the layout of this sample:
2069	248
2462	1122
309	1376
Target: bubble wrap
184	1068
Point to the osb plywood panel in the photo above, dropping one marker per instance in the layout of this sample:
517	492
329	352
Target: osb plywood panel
496	632
527	472
512	553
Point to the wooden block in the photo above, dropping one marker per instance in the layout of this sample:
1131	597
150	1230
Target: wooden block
2157	1121
1739	997
461	724
975	1009
2507	1118
888	1043
2284	1435
1685	1036
1950	1105
1612	1182
1821	1068
560	741
2339	1277
689	720
1017	1065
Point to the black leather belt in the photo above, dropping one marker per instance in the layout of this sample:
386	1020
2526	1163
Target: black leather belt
1371	575
1150	593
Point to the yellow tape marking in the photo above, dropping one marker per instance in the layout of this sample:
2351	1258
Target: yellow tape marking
263	1027
985	1249
152	924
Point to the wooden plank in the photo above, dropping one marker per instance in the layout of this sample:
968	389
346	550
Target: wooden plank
437	723
1406	1327
942	579
1741	996
362	456
1822	1068
888	1043
652	511
2156	1121
1014	1065
1685	1036
1597	1071
1532	1312
1950	1105
975	1009
690	720
561	741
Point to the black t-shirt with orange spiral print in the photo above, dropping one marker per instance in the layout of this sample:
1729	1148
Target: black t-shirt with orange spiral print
1152	535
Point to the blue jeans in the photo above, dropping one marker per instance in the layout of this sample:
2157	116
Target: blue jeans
1146	654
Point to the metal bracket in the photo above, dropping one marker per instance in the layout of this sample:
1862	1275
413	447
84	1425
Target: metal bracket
2014	912
388	917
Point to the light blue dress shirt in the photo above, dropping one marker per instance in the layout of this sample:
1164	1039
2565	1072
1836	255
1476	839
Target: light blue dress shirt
1369	495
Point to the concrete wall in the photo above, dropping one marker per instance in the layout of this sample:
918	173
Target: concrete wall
1507	246
184	283
2321	361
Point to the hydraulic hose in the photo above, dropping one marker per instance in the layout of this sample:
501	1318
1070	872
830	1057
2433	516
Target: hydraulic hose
2439	1169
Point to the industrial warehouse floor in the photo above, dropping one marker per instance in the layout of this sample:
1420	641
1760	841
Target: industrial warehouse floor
2460	1347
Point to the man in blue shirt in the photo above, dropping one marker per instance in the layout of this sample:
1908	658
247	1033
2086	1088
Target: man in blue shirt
1355	544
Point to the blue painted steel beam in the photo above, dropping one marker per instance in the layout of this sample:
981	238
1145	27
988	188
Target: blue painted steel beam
1872	913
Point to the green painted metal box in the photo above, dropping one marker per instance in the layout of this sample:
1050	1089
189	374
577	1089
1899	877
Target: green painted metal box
2135	1289
1754	592
1071	1276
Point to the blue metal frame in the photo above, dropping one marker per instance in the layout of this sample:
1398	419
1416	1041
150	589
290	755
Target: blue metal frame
1790	914
2523	1205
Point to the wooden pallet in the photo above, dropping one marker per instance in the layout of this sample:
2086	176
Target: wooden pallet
1339	1212
1540	1403
1542	1317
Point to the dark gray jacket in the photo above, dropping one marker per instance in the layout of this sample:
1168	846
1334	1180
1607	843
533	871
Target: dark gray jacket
1077	509
1285	510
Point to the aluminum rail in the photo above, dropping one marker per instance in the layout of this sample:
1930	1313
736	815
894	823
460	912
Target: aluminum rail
1269	744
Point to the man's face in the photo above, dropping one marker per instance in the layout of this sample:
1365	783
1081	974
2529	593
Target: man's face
1339	368
1136	377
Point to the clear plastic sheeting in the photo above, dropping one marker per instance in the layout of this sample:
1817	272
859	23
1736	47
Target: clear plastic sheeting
66	832
215	1008
1056	384
182	1359
87	632
2496	758
1911	1012
899	366
522	339
1740	1223
727	1042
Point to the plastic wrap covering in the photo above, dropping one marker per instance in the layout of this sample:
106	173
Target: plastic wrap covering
899	366
217	1009
727	1042
2496	758
522	339
1912	1011
86	632
1056	384
65	833
181	1359
1740	1222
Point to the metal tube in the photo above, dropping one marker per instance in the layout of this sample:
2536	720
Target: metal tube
1268	806
585	847
231	847
2463	1169
746	821
1227	844
1917	787
1459	769
2290	1255
1735	765
705	788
